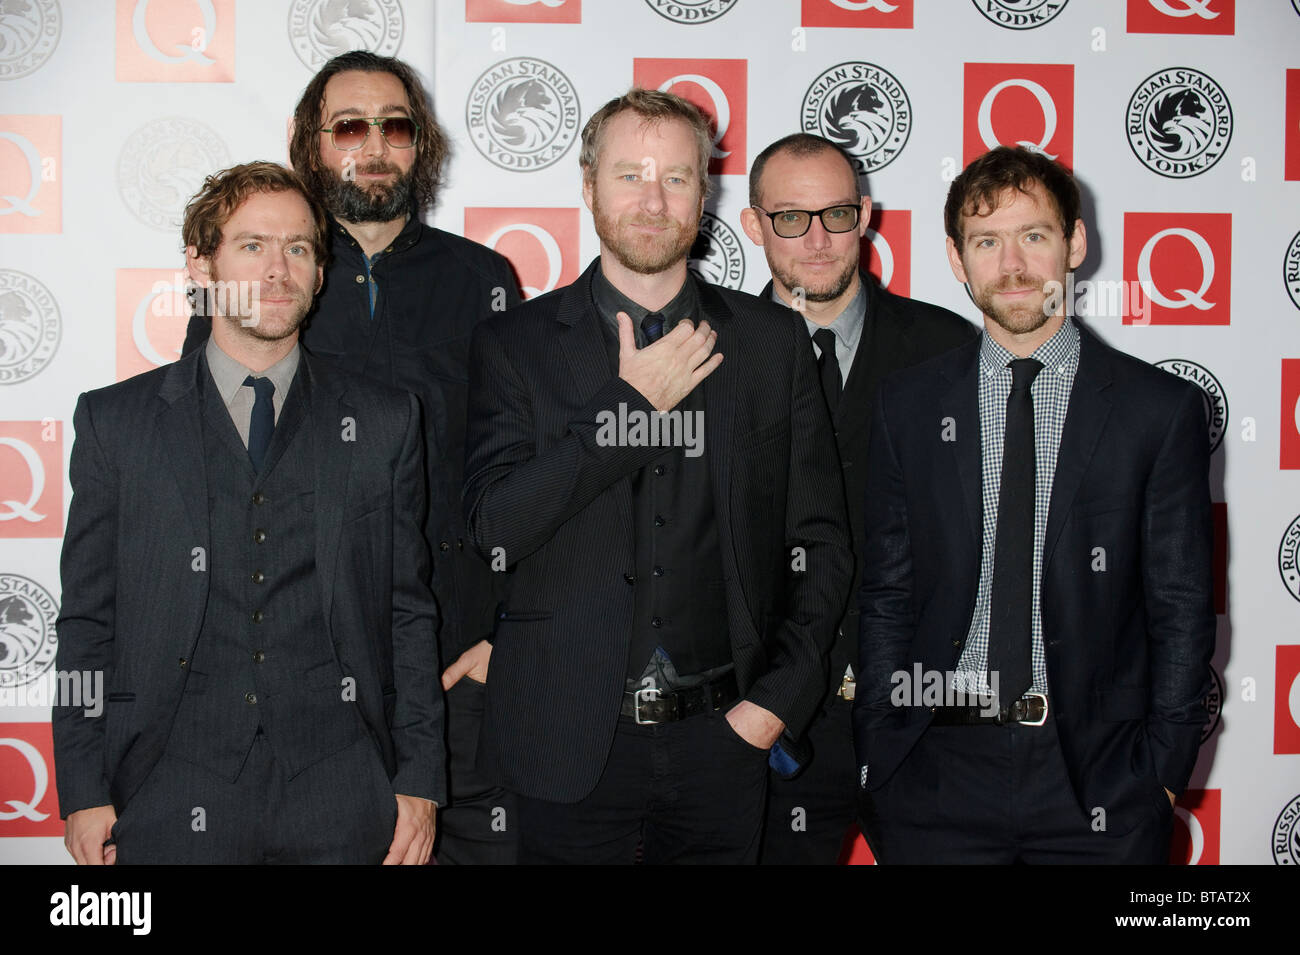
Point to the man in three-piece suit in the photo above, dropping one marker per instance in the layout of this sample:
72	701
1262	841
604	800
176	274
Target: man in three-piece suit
1037	616
672	523
244	561
809	215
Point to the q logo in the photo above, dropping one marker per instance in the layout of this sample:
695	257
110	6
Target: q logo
1196	841
719	88
541	244
27	796
1182	263
175	41
31	486
18	809
1019	104
1217	17
30	178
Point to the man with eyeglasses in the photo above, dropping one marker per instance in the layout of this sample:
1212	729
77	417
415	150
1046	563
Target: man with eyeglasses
807	212
399	303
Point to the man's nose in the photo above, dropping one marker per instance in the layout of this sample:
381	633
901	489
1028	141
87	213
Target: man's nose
816	238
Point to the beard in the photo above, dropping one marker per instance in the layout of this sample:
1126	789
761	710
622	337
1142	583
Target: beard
642	253
1018	319
351	202
238	305
828	291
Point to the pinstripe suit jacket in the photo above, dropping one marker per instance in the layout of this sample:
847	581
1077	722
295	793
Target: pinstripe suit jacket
558	505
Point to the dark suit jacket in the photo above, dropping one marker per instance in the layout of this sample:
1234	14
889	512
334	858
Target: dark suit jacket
134	589
539	486
1127	607
900	332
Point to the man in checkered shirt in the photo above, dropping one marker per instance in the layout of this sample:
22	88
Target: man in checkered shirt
1037	613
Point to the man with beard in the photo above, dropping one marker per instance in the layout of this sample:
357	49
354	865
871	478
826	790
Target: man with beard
245	561
807	212
1037	612
399	303
673	521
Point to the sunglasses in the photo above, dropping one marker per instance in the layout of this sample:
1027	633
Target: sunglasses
792	223
400	132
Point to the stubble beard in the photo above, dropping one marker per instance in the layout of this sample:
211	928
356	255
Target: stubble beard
352	202
256	325
645	254
828	291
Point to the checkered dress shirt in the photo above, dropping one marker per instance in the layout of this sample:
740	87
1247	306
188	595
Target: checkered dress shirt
1051	396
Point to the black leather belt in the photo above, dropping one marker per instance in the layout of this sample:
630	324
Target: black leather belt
665	706
1029	710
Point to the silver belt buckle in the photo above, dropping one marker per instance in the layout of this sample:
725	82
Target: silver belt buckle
649	694
1042	719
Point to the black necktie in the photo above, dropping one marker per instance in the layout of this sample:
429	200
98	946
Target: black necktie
1011	602
829	366
262	421
653	327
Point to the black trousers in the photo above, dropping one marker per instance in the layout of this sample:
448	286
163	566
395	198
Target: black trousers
478	826
340	810
683	792
812	819
996	795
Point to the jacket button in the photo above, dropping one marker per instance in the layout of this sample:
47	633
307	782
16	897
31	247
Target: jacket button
444	546
656	622
259	497
259	656
629	579
460	543
257	616
659	521
361	280
184	662
659	470
258	577
259	536
250	698
659	571
956	643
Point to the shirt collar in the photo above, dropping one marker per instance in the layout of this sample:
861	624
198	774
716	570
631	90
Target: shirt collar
610	301
1057	352
229	374
409	235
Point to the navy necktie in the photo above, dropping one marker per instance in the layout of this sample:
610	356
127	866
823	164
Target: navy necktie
1012	597
653	327
262	421
829	366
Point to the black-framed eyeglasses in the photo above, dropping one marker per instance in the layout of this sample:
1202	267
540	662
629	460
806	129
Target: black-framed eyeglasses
792	223
400	132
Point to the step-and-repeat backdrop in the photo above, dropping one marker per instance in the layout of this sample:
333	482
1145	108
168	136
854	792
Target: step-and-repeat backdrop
1181	118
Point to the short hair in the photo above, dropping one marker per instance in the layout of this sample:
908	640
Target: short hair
431	149
798	145
225	191
980	185
653	106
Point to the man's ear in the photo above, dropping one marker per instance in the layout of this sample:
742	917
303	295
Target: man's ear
954	261
586	188
1078	244
864	216
749	221
199	267
320	280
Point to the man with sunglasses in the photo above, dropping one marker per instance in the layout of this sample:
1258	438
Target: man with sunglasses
807	212
399	303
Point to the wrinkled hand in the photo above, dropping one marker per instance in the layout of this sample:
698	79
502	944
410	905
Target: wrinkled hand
85	832
668	370
755	725
413	836
473	663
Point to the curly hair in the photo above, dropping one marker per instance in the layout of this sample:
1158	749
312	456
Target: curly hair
225	191
981	184
431	151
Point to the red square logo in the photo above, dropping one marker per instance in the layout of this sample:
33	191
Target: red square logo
31	195
523	11
175	41
152	314
1181	263
1286	701
887	249
886	14
1290	415
541	244
719	87
1220	512
1196	829
31	478
1025	104
1291	149
1182	16
29	803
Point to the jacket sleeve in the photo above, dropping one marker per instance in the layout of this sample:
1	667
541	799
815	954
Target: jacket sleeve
87	619
816	521
417	725
517	496
1178	586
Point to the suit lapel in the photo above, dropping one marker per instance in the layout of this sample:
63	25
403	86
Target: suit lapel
1085	419
324	401
960	410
